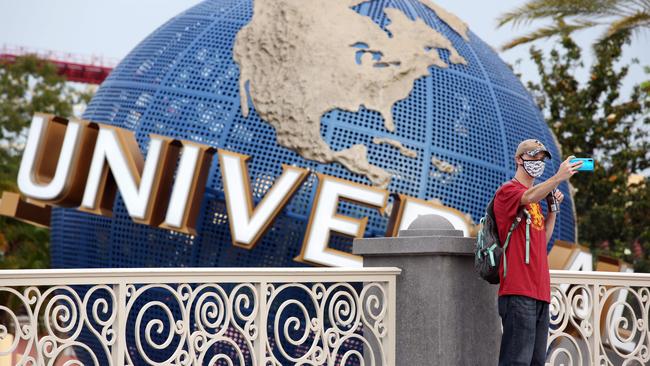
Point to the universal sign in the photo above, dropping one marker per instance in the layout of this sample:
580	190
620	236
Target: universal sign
78	163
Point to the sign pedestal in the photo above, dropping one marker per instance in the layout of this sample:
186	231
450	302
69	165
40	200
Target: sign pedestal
446	314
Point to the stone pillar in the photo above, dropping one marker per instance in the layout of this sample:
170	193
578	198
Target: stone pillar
446	314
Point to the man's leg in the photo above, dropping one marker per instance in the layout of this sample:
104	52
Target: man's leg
541	336
519	318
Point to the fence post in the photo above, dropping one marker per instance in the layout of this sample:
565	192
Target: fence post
390	342
259	343
595	337
119	326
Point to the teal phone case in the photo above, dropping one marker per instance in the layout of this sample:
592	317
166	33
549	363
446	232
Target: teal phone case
587	164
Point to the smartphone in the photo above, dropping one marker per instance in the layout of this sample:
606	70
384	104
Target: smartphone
587	164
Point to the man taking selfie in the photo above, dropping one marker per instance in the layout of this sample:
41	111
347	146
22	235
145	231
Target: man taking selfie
524	289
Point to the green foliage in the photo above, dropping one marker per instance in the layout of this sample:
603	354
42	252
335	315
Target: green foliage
619	16
27	85
591	120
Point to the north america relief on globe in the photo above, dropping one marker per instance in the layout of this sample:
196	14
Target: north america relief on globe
301	59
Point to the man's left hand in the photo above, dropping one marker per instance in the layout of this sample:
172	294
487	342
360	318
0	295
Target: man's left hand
559	196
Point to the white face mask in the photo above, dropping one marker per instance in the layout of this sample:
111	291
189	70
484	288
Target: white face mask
534	168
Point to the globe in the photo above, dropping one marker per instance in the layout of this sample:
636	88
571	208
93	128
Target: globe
440	122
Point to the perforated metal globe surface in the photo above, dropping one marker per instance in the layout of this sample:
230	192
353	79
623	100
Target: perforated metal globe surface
464	122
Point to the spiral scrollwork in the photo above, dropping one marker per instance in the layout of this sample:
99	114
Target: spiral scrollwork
328	324
156	323
248	323
599	324
626	323
51	321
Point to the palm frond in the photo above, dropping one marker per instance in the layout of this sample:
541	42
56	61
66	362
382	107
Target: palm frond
541	9
532	10
638	4
638	20
549	31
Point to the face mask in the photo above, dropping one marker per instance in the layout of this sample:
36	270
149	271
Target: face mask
534	168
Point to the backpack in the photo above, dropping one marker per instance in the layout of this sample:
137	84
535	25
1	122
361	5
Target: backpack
488	250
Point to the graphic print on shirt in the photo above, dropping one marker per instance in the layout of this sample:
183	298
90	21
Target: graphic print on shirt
536	217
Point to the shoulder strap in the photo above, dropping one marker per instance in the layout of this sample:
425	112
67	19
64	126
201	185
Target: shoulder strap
527	235
514	225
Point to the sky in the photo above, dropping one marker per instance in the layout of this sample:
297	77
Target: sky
112	28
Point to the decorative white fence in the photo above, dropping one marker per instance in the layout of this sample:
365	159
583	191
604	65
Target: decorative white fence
192	316
599	318
278	316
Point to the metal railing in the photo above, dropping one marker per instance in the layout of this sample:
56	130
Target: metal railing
194	316
279	316
599	318
94	60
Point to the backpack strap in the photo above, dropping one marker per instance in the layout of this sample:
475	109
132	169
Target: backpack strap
489	251
505	245
479	240
527	236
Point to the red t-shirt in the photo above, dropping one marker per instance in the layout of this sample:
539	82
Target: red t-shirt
530	279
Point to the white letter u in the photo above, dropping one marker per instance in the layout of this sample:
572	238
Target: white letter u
30	182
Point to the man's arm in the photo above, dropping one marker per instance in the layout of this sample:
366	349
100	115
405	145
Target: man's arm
550	225
539	191
550	218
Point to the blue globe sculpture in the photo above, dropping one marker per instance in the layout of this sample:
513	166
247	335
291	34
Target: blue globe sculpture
463	121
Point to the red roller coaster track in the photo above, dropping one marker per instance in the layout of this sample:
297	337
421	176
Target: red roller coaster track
81	69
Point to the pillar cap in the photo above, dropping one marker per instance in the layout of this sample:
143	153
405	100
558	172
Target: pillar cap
428	222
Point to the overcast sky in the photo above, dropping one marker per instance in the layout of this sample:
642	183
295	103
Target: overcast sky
111	28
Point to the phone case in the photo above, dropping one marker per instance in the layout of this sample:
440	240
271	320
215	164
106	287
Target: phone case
587	164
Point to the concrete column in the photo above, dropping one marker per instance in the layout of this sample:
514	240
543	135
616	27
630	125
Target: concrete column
446	314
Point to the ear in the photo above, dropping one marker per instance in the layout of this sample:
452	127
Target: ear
518	160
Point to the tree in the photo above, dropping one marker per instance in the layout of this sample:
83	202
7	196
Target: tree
27	85
620	16
591	120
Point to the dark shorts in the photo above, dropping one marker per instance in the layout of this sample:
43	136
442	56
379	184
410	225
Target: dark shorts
525	330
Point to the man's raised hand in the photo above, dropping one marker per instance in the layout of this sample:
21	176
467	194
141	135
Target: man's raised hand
568	169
